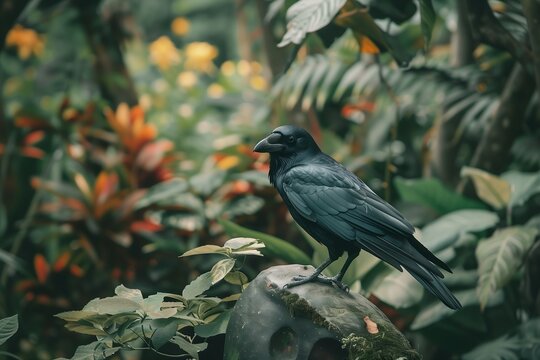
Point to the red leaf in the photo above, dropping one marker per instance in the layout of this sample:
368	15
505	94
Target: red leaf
41	267
76	271
34	137
106	185
33	152
145	226
151	155
61	262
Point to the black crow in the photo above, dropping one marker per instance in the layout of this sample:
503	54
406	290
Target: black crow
341	212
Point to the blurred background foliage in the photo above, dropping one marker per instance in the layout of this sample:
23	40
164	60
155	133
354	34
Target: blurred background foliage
126	130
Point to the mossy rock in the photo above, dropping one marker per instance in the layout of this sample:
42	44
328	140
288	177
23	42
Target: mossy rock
310	321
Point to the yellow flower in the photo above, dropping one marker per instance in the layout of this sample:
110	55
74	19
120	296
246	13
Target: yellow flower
180	26
256	67
27	41
199	56
228	68
187	79
258	82
244	67
215	91
163	53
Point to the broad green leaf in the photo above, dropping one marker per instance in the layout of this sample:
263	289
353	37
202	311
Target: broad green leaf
76	315
215	327
164	333
446	230
524	185
518	344
192	349
205	249
307	16
274	247
490	188
112	305
85	329
437	311
94	351
162	191
202	283
8	327
499	257
131	294
236	278
221	269
427	19
205	183
433	193
399	290
240	242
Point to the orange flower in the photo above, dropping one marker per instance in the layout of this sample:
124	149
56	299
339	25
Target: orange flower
180	26
27	41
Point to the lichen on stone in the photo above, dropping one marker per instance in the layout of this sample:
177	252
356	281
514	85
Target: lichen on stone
376	347
299	307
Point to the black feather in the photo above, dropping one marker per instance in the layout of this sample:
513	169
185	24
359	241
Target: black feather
343	213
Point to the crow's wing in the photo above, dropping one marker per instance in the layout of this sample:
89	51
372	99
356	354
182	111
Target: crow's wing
335	199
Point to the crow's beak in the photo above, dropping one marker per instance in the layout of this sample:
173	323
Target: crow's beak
269	144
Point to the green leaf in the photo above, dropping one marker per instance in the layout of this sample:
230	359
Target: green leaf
240	242
162	191
274	247
433	193
131	294
427	20
490	188
215	327
205	249
500	256
202	283
524	186
445	231
190	348
307	16
522	343
236	278
165	332
8	327
94	351
437	311
112	305
221	269
399	290
85	329
76	315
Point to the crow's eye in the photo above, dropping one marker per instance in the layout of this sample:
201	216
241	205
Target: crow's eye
290	139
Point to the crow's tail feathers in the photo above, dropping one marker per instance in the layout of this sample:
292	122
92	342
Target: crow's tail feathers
434	285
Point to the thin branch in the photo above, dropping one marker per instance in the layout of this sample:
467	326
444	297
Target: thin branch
393	130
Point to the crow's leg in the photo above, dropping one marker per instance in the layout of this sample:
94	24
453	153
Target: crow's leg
351	255
335	281
300	279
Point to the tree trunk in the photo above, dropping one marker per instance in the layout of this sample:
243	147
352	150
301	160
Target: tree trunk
493	151
445	149
112	75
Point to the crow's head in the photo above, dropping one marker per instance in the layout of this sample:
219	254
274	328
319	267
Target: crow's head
287	140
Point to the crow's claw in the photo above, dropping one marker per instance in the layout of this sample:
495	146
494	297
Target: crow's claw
302	279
